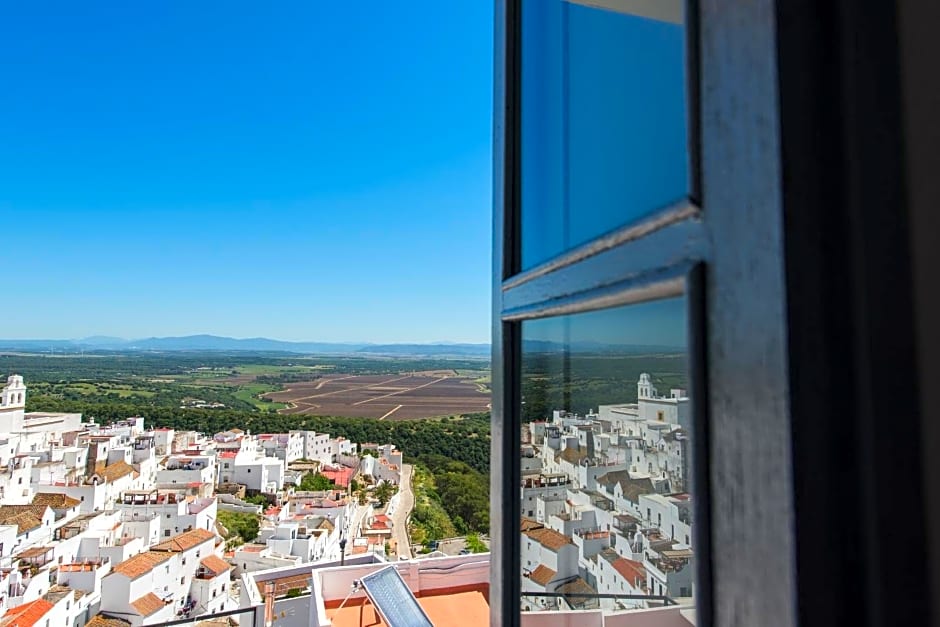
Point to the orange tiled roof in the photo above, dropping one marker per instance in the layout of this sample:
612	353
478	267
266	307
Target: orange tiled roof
78	567
54	500
148	604
283	584
631	570
34	551
215	564
116	471
185	541
549	538
577	586
528	524
26	615
542	575
99	620
141	564
571	455
25	517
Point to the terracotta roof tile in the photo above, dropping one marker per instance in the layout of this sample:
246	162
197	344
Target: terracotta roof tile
148	604
632	571
99	620
57	593
35	551
571	455
215	564
141	564
185	541
542	575
55	501
116	470
576	586
283	584
25	517
26	615
549	538
528	524
631	488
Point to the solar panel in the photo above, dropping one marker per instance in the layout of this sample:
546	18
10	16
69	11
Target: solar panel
393	600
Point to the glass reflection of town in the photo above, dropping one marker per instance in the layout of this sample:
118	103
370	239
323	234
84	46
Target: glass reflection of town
606	510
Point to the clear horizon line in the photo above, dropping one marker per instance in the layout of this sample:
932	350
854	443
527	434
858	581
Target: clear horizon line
231	337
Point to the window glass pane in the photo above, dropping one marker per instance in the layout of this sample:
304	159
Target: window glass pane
605	462
603	123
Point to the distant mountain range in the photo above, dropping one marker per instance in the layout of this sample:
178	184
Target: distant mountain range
254	344
266	345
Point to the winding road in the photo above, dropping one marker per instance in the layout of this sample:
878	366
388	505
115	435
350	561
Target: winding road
402	512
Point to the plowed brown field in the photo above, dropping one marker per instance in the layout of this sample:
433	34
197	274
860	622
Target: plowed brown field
386	397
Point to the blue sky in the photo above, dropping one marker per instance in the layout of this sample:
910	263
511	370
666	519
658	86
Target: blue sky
297	170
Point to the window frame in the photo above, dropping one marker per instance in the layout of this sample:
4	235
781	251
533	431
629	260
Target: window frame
736	316
813	141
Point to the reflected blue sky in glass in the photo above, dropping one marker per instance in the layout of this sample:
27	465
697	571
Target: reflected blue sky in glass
603	128
661	324
583	360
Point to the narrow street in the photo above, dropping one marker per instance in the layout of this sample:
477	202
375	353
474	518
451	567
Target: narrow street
400	517
351	532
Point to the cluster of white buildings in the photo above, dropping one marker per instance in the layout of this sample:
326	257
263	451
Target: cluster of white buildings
605	505
119	524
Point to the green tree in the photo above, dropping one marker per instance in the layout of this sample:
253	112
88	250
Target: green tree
474	544
243	527
257	499
383	492
315	482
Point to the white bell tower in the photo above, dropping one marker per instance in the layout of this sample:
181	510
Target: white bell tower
12	404
644	387
14	393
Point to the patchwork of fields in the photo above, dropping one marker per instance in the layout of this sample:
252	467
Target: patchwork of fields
385	397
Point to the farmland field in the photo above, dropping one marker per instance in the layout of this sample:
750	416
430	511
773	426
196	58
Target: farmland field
342	386
386	397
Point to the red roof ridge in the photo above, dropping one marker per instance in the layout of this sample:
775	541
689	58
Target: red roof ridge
542	575
184	541
28	614
215	563
148	604
631	570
